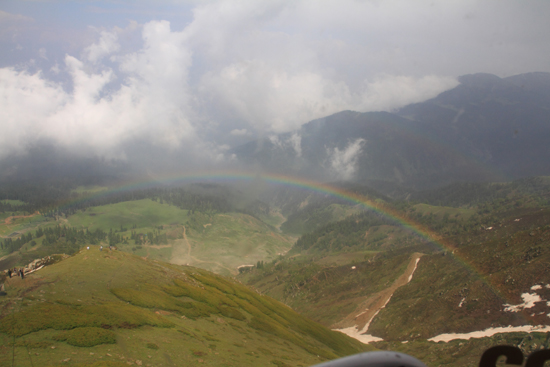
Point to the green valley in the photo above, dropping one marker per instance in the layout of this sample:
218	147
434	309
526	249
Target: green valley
137	281
121	309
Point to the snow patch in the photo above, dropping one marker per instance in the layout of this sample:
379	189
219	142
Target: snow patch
490	332
529	300
536	287
415	266
356	334
245	266
461	302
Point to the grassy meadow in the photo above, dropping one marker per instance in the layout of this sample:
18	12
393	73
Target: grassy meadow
120	309
143	214
229	240
219	242
19	222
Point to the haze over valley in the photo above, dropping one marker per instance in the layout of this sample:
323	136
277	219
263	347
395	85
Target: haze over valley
277	183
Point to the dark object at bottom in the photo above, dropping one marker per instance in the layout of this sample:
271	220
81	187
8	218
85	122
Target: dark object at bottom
375	359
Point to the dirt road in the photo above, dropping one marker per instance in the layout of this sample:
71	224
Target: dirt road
8	219
190	259
373	304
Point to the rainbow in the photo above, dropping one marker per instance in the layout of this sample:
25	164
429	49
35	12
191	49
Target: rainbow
378	207
277	179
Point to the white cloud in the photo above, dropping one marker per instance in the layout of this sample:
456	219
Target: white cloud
55	69
25	101
296	142
151	102
149	95
387	92
343	163
107	44
42	53
250	68
239	132
9	17
271	99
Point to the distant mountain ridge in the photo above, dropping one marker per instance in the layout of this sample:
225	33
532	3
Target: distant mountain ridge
486	128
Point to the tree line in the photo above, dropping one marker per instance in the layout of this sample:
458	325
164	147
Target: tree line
61	235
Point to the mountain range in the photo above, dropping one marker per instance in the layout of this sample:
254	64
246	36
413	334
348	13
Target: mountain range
485	129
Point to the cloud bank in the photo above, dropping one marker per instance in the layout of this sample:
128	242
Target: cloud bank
244	69
343	163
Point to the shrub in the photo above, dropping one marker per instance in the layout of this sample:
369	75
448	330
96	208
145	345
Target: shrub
65	317
103	364
279	363
149	298
232	313
87	337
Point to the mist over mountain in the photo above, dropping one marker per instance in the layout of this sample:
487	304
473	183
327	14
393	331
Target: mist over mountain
486	128
46	162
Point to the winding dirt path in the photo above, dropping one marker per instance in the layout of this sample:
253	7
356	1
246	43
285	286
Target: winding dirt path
8	219
358	324
231	271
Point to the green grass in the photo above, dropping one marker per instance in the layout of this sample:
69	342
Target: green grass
347	258
87	337
20	224
327	288
220	242
123	308
65	317
489	268
145	214
311	218
463	352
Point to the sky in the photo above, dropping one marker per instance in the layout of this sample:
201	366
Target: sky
192	79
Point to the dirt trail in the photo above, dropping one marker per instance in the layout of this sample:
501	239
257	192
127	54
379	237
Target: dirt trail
283	219
187	242
378	301
157	247
193	258
8	219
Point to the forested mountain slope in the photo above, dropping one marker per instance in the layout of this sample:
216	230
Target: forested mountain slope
485	129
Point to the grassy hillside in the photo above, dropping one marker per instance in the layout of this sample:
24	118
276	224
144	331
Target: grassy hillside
313	216
330	272
364	269
223	242
327	289
14	223
115	307
490	262
306	211
143	214
220	242
464	352
466	292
